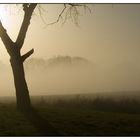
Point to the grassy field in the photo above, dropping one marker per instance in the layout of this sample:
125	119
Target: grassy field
74	117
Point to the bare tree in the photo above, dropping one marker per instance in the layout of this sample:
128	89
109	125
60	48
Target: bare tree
14	48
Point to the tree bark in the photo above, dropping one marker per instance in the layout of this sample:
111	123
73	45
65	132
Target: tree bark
16	60
22	92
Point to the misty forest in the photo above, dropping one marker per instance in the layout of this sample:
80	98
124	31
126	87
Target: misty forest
69	69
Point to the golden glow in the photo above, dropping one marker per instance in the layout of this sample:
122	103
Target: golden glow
5	16
110	37
11	19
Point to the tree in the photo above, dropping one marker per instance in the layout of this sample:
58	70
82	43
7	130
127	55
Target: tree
14	48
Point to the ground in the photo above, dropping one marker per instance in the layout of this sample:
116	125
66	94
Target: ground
69	119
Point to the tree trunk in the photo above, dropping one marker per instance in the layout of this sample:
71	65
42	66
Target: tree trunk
22	92
16	60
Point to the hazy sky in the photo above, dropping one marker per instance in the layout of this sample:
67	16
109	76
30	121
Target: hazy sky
110	34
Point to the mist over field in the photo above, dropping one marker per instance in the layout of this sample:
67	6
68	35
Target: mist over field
72	75
107	41
74	69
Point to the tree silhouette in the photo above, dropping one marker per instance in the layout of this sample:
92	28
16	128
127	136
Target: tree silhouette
14	48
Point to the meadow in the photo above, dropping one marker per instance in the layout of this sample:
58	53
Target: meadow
72	115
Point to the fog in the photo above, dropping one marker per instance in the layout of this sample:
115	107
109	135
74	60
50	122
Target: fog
107	39
72	75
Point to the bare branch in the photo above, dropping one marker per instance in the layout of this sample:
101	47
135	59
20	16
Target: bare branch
71	13
28	10
59	16
25	6
40	9
6	39
28	54
75	4
74	15
87	8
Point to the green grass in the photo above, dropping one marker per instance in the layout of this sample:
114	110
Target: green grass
73	118
75	121
13	122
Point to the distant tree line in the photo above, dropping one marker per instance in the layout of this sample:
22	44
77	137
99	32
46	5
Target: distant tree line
35	63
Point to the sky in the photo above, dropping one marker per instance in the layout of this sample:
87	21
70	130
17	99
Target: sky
109	34
109	37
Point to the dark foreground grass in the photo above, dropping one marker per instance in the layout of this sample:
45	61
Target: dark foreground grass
73	118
